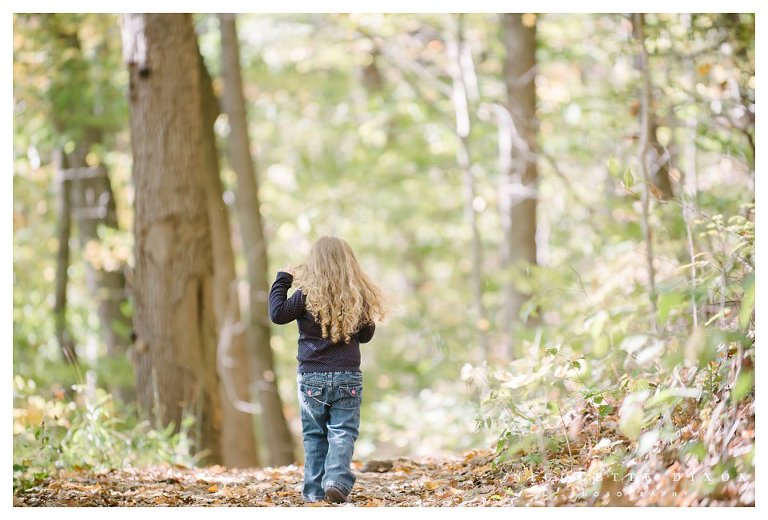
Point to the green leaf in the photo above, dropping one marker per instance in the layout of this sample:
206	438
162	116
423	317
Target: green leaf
667	302
628	179
748	301
631	414
632	422
697	449
643	384
696	346
743	386
613	166
533	459
600	347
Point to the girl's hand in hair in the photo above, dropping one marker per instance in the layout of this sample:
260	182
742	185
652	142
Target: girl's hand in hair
287	269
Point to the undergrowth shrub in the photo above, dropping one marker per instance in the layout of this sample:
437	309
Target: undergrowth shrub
60	433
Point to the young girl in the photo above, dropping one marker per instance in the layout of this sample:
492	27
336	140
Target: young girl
335	305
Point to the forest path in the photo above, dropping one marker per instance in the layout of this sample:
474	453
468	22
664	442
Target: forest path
468	479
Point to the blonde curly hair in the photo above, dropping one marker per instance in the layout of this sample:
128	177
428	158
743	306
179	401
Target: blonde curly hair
339	295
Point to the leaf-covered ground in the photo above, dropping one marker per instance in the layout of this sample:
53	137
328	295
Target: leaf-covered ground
578	474
466	480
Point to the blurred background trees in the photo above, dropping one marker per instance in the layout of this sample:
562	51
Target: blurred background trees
487	170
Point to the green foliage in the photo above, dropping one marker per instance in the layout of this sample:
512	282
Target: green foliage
744	384
595	348
85	430
69	85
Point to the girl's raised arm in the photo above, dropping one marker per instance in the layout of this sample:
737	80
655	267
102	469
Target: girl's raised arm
282	309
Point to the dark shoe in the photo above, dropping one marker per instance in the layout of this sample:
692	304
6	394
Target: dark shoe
335	495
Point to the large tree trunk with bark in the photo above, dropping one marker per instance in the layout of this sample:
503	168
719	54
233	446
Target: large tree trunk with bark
276	434
238	443
519	180
175	352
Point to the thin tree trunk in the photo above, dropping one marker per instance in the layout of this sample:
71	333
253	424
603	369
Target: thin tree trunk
88	200
63	231
518	190
657	162
93	205
276	434
175	353
238	443
464	157
690	181
644	147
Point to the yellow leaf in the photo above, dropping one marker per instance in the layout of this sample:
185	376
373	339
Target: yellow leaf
213	489
481	469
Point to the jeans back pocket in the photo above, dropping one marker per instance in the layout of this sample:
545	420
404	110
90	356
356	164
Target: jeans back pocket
349	395
311	394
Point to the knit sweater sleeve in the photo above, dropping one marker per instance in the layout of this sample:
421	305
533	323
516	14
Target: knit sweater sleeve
366	333
282	309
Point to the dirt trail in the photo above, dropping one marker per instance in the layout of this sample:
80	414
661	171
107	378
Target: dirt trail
468	479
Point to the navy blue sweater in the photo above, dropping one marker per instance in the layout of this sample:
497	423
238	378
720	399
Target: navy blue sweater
316	353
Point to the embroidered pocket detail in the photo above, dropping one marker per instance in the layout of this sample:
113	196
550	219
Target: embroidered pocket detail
311	391
349	397
351	391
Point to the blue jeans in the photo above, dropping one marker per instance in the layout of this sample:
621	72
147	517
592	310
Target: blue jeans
330	419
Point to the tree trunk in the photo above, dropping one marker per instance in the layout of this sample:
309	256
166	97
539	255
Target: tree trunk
238	443
93	204
520	176
276	434
175	353
644	146
63	229
89	201
658	161
461	75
